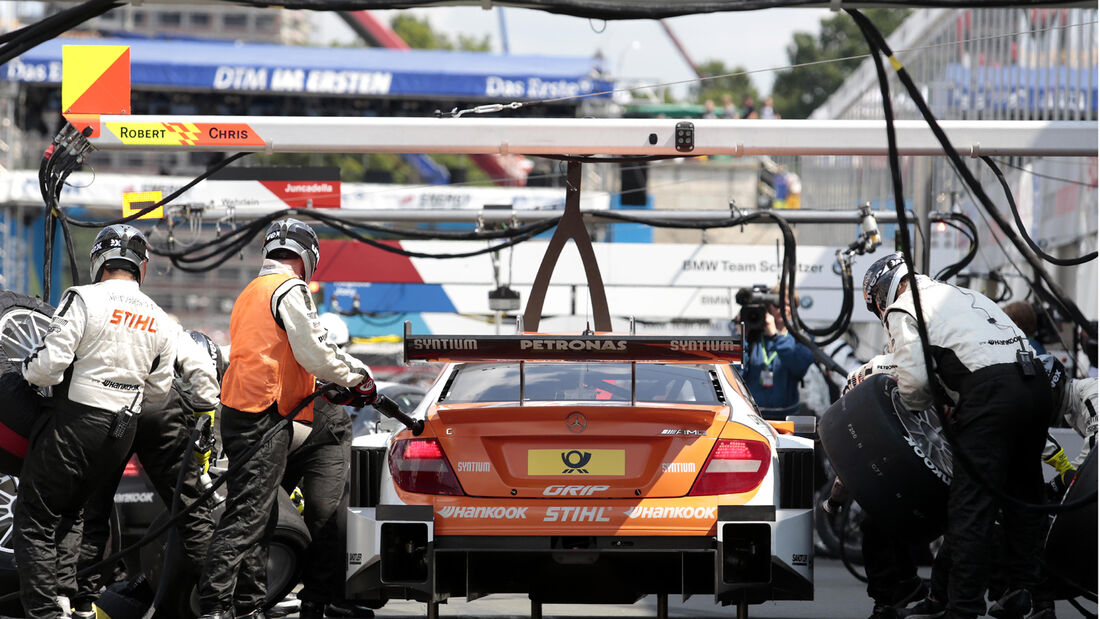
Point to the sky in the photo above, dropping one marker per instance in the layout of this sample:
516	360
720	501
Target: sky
634	49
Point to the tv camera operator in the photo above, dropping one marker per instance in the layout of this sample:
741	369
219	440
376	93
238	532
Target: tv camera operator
774	361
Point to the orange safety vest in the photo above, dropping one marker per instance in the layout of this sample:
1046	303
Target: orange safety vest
262	368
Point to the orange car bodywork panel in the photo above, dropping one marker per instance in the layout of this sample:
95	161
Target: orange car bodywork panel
510	492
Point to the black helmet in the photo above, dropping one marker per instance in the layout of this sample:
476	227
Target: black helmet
295	236
880	284
211	349
119	247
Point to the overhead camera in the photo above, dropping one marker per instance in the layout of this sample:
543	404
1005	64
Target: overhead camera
754	304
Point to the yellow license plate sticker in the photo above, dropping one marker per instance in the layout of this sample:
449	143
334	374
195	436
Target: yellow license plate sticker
576	462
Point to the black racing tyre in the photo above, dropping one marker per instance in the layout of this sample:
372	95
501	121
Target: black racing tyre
895	463
23	322
287	552
180	599
1071	542
9	577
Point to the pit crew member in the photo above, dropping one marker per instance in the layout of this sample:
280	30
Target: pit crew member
1001	401
277	346
108	348
163	434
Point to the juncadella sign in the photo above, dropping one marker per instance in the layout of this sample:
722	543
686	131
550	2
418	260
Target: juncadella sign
313	187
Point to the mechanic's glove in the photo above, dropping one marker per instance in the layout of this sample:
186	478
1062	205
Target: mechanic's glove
338	395
1061	463
365	393
857	376
204	447
297	499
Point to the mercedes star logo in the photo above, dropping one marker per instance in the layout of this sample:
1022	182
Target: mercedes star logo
576	422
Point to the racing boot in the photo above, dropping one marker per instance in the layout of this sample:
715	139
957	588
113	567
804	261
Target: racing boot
883	611
1013	605
83	610
311	610
349	609
910	591
1042	609
254	614
928	608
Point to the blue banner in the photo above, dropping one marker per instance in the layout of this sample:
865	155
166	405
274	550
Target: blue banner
1025	88
349	298
269	68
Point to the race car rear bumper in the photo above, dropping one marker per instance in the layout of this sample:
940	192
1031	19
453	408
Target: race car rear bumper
760	553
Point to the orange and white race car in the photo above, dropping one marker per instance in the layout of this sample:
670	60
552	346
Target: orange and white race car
582	469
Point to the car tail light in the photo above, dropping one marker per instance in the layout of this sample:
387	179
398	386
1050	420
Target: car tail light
133	469
734	465
418	465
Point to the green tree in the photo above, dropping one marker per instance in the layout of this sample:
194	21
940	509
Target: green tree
736	86
353	166
419	34
800	90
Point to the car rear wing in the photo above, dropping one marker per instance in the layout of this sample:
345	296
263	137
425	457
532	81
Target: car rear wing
599	347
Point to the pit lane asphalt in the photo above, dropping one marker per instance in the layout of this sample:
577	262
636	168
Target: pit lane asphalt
837	596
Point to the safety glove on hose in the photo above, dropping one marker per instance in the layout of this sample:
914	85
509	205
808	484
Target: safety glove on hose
365	393
297	499
1066	472
204	442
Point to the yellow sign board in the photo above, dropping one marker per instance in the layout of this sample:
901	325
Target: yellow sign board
134	133
95	79
576	462
135	201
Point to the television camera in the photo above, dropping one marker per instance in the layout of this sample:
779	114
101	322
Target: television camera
754	304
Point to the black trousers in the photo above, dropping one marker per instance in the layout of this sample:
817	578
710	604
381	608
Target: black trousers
320	470
163	444
234	575
70	450
1000	425
890	561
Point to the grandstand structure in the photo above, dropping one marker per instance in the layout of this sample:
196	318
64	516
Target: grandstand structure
1011	64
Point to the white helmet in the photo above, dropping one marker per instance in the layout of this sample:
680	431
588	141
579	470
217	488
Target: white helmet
336	327
292	235
119	246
